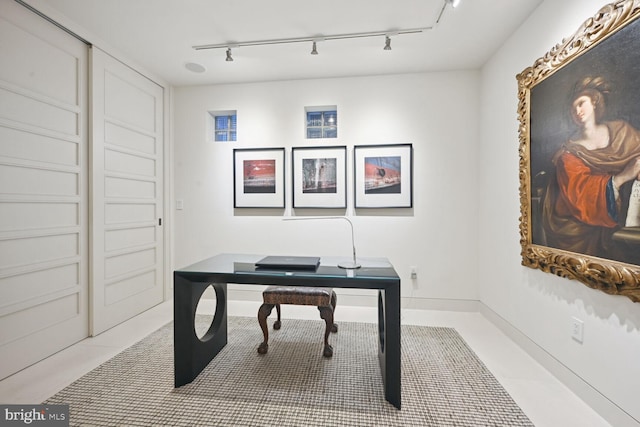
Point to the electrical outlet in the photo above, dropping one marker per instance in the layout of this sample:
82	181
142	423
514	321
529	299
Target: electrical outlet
577	329
179	204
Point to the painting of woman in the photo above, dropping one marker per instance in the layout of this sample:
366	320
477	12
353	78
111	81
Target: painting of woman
587	197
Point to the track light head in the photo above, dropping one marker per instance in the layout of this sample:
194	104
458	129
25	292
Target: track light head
314	51
229	57
387	43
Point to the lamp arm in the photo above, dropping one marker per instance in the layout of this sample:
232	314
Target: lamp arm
354	264
353	239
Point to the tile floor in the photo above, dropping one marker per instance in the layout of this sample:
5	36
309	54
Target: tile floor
545	400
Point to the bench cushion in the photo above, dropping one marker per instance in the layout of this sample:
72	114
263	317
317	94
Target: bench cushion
297	295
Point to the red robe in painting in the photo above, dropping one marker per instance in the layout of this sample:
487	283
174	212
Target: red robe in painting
580	214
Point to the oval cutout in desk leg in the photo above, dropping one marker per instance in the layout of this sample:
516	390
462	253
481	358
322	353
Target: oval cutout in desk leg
205	310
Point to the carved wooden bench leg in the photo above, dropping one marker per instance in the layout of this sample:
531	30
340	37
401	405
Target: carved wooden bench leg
277	324
334	327
263	312
327	314
334	302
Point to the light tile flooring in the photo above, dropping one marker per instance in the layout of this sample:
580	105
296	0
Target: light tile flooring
545	400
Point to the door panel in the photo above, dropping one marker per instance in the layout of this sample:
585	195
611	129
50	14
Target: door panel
44	113
23	144
43	189
127	190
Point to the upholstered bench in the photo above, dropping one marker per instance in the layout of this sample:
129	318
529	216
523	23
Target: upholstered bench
324	298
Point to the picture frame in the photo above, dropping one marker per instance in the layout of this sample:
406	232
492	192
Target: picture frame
579	120
383	176
258	178
319	177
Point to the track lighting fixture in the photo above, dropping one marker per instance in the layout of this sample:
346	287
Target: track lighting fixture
314	50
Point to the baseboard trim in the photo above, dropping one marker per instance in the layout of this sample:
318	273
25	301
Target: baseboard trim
608	410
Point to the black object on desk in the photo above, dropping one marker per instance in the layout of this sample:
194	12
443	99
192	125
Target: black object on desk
193	354
289	262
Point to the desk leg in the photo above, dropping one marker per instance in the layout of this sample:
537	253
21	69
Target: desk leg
193	354
389	343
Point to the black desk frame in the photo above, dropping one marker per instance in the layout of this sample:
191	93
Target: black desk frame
193	354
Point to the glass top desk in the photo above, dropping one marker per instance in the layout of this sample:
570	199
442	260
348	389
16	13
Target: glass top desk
193	354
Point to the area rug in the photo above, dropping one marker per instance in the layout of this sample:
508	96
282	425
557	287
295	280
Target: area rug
443	382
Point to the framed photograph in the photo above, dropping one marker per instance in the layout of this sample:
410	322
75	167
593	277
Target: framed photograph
319	177
383	176
258	178
580	155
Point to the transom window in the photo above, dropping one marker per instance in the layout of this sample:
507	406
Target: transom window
322	122
224	125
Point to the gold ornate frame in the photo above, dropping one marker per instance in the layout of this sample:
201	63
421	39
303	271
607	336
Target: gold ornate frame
608	276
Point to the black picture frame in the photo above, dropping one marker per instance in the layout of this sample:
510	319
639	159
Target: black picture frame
383	176
258	178
319	177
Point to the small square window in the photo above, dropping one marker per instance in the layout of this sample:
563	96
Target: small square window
224	124
322	122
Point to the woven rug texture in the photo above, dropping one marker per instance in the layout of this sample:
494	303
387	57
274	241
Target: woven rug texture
443	382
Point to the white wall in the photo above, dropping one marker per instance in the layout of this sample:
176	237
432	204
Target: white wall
538	304
436	112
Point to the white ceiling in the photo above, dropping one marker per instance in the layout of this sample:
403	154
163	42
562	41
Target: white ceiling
159	35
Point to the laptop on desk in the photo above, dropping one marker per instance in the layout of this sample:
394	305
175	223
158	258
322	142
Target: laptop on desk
275	262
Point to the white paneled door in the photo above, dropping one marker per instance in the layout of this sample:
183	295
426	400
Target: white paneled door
127	192
43	189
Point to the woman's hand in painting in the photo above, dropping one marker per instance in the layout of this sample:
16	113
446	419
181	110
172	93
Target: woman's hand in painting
631	171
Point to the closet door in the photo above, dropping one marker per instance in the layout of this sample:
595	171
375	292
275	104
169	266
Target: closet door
43	189
126	190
